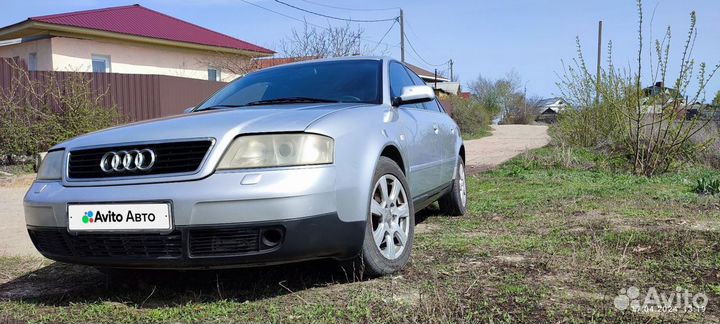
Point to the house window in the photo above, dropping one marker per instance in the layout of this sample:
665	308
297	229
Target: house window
213	74
32	62
101	64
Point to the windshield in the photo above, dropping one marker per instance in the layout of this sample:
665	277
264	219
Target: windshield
354	81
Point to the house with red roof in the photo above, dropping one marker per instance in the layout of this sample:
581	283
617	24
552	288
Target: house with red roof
128	39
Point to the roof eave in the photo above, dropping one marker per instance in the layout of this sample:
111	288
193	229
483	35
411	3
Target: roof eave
61	30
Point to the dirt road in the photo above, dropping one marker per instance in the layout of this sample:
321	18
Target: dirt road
14	239
482	154
506	142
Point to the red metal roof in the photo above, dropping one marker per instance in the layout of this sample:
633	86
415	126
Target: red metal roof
140	21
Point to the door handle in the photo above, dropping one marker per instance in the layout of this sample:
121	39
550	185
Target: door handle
436	129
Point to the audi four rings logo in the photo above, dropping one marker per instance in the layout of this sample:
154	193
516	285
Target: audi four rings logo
132	160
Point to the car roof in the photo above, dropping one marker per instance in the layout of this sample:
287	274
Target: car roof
334	59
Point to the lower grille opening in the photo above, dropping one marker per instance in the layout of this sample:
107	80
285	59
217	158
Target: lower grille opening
61	243
233	240
201	242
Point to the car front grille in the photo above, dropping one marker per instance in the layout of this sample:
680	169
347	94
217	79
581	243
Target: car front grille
59	242
176	157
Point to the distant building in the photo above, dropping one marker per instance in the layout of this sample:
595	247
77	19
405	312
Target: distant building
128	39
549	109
441	84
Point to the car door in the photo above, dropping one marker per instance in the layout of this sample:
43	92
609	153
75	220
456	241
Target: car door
448	140
423	145
445	129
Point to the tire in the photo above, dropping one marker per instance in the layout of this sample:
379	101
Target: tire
390	218
454	203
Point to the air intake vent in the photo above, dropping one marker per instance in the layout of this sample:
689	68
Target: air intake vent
177	157
59	242
228	241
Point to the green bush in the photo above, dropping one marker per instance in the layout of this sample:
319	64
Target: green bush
471	116
35	116
618	116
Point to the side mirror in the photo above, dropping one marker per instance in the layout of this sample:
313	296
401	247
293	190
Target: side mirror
188	110
413	95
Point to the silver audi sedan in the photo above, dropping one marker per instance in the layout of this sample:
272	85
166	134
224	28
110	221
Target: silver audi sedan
320	159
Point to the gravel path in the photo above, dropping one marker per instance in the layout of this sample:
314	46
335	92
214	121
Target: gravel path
482	154
14	239
506	142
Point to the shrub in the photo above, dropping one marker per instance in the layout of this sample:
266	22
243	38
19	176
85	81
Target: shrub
647	126
36	115
472	117
707	186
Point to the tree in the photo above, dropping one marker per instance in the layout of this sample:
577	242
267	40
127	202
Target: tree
232	63
716	100
505	96
331	41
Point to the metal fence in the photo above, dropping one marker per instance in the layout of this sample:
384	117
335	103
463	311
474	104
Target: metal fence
137	96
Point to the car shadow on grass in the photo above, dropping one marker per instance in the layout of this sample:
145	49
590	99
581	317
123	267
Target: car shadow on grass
60	284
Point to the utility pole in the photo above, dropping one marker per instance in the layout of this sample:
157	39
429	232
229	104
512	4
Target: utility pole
599	54
402	37
451	71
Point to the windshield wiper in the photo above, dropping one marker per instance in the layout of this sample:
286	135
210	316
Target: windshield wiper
288	100
221	106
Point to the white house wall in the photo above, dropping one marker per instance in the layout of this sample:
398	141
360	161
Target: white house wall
72	54
41	47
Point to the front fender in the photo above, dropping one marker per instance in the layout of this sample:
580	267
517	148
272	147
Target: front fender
360	137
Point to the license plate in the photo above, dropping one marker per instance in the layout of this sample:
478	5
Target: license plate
119	217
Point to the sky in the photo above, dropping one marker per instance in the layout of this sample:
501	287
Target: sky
488	38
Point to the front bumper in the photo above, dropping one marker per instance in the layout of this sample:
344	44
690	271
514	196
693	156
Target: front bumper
203	247
227	207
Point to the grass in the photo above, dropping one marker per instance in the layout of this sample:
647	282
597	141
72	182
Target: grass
549	237
17	169
478	133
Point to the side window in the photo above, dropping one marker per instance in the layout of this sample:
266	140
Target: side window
430	105
213	74
32	61
101	63
434	105
398	79
416	79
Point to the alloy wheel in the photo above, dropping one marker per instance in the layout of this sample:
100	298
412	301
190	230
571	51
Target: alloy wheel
390	216
463	186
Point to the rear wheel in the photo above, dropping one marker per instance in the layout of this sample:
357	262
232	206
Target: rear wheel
454	203
390	224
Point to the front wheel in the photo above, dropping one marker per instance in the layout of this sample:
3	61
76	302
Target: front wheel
454	203
390	224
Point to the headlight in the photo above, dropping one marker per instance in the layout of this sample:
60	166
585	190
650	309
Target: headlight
274	150
51	166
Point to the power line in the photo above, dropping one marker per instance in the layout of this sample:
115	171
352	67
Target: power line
333	17
412	47
303	21
383	37
350	9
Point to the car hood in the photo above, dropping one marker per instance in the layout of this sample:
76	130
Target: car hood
218	124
